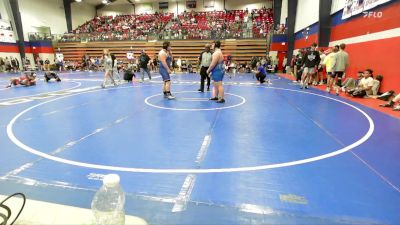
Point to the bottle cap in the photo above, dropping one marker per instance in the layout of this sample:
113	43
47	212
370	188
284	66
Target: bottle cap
111	180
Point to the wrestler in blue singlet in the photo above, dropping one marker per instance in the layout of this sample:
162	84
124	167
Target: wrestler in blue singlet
218	72
164	71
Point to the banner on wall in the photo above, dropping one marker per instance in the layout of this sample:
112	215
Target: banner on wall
6	32
7	36
208	3
355	7
163	5
147	7
5	25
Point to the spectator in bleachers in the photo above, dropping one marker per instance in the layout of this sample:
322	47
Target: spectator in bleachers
187	25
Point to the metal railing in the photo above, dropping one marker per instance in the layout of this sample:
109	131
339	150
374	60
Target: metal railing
36	36
150	36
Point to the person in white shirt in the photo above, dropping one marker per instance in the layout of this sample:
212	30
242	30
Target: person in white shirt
341	64
204	62
179	64
364	86
284	63
320	76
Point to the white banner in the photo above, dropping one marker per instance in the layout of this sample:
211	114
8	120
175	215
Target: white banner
354	7
357	7
7	36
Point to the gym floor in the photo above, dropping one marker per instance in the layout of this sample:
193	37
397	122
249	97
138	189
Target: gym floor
272	154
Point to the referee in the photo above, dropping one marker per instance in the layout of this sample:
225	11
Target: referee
205	61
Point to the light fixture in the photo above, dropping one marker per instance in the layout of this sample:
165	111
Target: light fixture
104	1
78	0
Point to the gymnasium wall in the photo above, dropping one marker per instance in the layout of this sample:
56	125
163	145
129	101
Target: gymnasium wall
3	10
81	12
278	43
307	14
42	13
372	42
284	11
120	9
306	26
337	5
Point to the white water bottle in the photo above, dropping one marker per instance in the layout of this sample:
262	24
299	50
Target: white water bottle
108	202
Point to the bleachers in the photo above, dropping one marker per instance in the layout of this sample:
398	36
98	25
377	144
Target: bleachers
187	25
240	50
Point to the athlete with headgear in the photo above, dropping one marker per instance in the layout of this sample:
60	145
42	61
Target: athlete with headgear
217	72
165	58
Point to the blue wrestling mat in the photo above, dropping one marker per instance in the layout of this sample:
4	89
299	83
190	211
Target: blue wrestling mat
272	154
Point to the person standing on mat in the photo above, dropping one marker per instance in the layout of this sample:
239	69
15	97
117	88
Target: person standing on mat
165	58
205	61
310	62
341	64
143	63
115	70
217	72
107	61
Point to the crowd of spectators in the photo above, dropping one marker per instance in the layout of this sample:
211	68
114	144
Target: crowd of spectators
187	25
122	27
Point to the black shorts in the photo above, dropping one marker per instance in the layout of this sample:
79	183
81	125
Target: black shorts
339	74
